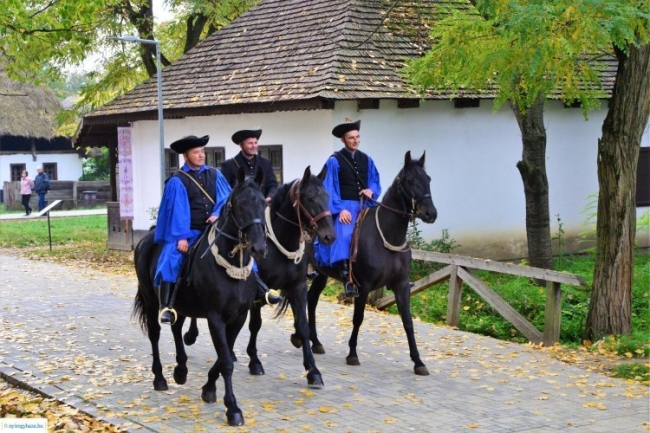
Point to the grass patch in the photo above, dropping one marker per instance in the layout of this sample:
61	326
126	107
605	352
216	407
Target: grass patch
33	232
633	371
529	300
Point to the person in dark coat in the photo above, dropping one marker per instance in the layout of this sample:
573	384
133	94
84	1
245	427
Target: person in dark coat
247	139
250	160
41	186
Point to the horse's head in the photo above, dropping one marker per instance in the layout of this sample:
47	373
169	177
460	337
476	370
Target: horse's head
314	204
246	207
414	185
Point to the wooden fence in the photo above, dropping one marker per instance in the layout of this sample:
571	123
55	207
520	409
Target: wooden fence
458	272
74	194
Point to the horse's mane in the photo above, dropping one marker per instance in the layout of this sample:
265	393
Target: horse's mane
278	197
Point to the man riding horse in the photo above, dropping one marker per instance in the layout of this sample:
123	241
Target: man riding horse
192	199
351	178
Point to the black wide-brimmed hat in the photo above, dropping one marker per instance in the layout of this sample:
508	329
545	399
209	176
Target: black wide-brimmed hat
189	142
340	130
242	135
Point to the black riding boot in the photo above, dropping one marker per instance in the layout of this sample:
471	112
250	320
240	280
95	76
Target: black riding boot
350	289
265	295
166	314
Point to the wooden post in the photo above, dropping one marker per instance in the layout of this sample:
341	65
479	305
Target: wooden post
552	313
454	298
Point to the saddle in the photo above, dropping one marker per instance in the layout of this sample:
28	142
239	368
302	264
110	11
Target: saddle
354	245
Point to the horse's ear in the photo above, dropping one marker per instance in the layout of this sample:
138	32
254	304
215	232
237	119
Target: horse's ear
407	158
306	176
259	176
421	160
322	174
241	175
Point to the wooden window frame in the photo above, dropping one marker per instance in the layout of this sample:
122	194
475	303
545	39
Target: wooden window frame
267	152
12	171
51	169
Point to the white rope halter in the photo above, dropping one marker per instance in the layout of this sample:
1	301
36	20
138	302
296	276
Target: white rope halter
402	248
240	273
296	256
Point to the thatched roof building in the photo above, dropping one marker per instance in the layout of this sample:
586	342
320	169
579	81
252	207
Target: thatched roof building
26	110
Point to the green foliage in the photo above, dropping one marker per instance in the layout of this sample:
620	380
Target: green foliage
559	237
444	244
65	231
529	300
96	167
524	49
41	40
633	371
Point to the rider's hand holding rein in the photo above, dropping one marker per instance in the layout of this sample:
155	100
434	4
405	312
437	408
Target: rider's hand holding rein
367	192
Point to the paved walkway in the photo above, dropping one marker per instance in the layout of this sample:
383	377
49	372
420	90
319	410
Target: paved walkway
54	214
67	332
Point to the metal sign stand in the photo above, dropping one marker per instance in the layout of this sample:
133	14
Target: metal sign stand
46	210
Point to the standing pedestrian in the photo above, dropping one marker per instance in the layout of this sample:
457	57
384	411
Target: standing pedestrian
26	186
41	186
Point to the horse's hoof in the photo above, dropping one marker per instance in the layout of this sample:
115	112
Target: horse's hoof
160	385
236	418
421	371
315	381
318	349
256	369
209	396
352	360
189	339
180	379
297	342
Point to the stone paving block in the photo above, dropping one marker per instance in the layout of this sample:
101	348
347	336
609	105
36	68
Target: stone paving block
90	354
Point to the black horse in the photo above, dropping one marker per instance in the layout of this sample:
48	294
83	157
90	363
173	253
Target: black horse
217	288
298	211
383	257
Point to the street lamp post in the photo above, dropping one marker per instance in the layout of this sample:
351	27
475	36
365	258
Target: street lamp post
161	129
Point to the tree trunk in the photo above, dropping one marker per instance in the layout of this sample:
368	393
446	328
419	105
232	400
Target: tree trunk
532	168
618	153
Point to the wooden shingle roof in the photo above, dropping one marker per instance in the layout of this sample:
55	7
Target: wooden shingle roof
293	54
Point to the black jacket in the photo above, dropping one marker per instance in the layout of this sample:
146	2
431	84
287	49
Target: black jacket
230	166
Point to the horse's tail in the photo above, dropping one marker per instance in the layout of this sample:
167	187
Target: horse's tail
142	258
281	309
139	312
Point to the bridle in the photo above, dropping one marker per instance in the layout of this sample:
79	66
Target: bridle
408	198
243	271
294	197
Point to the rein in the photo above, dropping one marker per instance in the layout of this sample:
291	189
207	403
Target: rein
243	271
406	196
305	235
296	256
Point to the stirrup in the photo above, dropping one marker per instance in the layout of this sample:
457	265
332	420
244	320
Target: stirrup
350	290
163	311
267	300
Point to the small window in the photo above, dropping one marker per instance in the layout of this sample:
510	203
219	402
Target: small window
214	156
274	153
643	178
51	170
17	172
171	163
